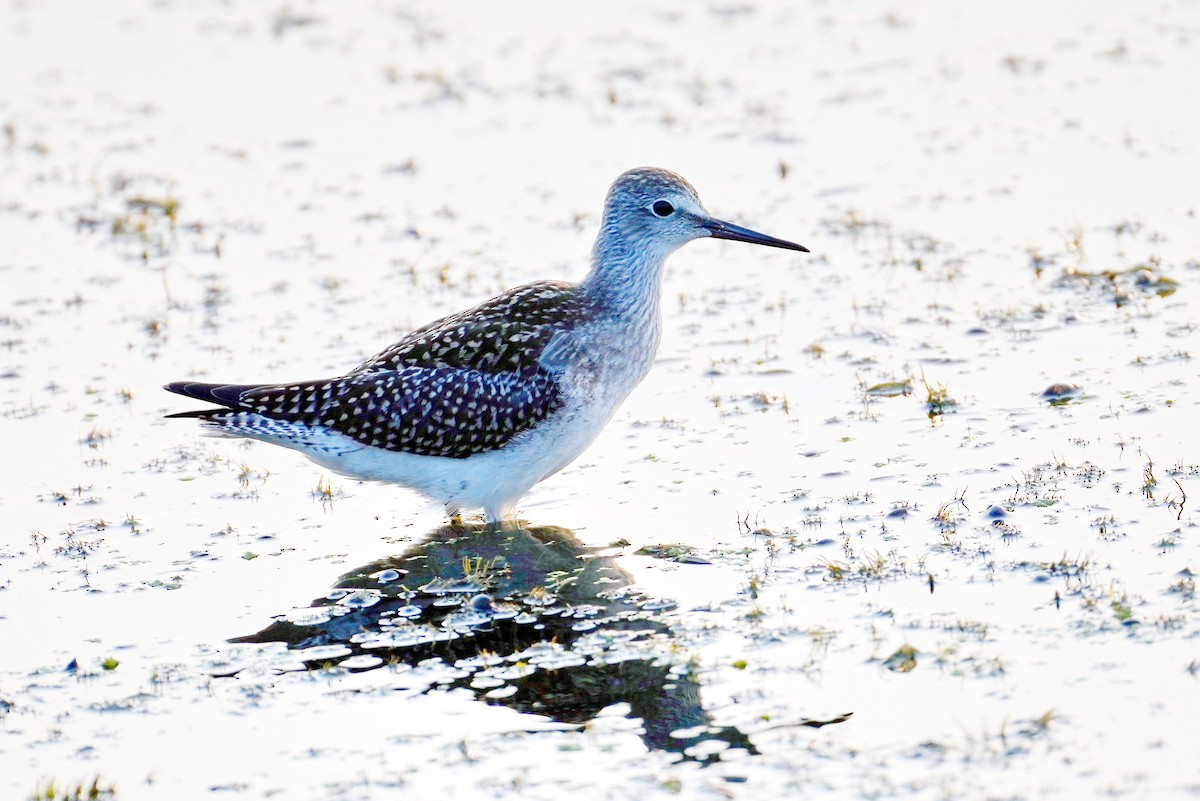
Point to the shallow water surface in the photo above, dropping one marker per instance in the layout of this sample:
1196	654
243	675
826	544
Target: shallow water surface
911	516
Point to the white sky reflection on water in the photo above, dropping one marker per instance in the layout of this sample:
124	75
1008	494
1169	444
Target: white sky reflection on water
344	173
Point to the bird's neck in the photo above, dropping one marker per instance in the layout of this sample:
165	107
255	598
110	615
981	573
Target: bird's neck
626	278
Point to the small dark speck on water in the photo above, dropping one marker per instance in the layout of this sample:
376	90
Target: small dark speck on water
1061	393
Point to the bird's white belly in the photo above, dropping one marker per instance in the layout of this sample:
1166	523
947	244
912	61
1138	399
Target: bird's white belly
493	480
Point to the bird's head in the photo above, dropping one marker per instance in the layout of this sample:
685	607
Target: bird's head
658	211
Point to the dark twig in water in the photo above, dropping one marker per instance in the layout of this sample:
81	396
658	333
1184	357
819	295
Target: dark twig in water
1182	500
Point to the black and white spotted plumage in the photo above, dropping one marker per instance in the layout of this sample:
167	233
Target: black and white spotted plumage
504	334
462	385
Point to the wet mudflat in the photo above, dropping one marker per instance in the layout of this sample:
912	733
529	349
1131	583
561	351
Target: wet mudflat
911	517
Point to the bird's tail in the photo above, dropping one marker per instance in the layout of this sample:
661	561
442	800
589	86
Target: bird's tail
227	396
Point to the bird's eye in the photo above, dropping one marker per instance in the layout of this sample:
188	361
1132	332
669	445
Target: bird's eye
662	208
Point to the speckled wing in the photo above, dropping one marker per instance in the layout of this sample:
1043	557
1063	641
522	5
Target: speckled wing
506	333
430	411
463	385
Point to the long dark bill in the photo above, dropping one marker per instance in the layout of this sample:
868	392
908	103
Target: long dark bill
719	229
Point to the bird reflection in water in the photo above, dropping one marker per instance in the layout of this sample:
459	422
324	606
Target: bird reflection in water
530	618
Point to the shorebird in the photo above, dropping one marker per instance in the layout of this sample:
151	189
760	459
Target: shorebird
474	409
